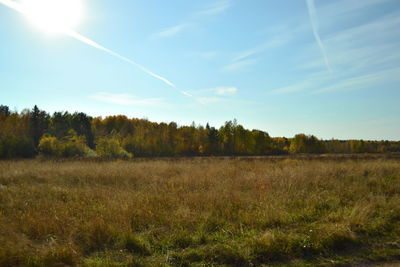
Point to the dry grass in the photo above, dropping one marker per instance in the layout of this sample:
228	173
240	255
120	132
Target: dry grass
203	212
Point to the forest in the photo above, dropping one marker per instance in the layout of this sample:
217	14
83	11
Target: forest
34	132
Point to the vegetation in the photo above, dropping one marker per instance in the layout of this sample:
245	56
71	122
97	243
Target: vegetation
35	132
199	212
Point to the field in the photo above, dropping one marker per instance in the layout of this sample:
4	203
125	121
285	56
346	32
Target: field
200	212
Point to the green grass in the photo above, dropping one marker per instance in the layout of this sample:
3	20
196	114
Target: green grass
200	212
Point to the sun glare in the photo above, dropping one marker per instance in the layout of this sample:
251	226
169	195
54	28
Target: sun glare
55	16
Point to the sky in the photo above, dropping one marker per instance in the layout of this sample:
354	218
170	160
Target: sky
330	68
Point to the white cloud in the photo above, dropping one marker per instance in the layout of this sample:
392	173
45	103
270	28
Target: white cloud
225	90
309	83
215	8
126	99
274	41
364	81
208	54
208	100
239	65
324	83
293	88
364	55
277	36
340	7
212	95
186	93
358	49
220	91
171	31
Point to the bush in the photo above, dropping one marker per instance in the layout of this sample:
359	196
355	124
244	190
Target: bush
74	145
16	147
49	146
111	148
70	146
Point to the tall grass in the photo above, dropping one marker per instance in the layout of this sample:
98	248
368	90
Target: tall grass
199	212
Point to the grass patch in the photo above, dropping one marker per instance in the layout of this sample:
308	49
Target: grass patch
204	212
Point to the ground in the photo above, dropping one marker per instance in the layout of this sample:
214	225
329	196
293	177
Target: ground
318	211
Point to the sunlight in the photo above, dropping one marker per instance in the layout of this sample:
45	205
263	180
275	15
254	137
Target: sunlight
55	16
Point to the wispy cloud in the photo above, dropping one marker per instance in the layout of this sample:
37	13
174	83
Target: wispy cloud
212	95
324	83
208	54
307	84
293	88
276	37
315	26
208	100
364	81
171	31
360	48
215	8
341	7
126	99
186	93
203	55
220	91
364	52
234	66
225	90
274	41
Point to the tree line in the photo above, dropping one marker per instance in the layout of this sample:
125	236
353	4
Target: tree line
34	132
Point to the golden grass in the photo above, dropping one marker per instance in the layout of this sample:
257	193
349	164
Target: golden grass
198	211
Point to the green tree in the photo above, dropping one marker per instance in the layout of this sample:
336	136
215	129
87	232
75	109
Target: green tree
226	134
357	146
302	143
4	111
39	121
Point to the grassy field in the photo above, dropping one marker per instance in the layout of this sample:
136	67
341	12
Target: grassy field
200	212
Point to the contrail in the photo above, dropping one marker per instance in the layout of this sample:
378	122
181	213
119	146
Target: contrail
87	41
314	22
20	8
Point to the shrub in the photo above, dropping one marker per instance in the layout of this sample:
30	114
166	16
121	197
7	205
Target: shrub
71	145
74	145
111	148
16	147
49	145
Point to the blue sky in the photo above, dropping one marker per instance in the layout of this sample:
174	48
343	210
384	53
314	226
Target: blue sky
326	67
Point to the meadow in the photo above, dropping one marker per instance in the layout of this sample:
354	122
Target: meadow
200	212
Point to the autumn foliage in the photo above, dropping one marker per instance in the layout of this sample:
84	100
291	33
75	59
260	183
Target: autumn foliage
35	132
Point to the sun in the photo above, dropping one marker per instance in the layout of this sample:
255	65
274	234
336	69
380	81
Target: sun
55	16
